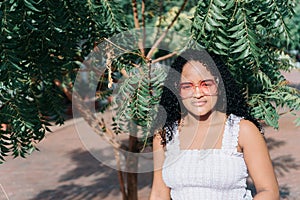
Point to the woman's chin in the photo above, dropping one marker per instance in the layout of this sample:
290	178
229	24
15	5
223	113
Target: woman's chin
200	112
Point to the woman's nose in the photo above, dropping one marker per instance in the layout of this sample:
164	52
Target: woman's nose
197	92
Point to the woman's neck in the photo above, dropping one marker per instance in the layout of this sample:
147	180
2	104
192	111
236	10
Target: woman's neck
210	118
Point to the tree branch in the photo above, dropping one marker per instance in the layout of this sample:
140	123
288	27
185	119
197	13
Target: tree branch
166	31
65	89
164	57
137	25
161	3
143	25
120	175
119	47
135	14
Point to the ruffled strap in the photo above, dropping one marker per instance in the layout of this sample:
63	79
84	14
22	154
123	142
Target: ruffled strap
231	133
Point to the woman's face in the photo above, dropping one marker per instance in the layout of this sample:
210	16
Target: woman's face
198	89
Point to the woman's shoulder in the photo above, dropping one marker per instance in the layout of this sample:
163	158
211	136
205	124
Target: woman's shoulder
248	133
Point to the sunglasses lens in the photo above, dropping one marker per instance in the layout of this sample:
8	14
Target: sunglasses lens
207	87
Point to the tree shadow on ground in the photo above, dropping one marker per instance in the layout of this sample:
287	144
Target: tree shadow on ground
282	164
90	179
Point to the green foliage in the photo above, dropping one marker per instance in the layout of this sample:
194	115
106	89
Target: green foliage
40	40
293	24
251	36
138	96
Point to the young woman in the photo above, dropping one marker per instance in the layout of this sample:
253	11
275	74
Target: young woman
209	142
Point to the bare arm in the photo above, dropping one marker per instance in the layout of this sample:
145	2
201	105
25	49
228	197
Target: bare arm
258	161
159	189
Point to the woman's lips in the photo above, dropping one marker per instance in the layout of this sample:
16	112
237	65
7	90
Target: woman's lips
199	103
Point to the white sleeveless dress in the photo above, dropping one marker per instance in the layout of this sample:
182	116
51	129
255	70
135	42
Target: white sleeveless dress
211	174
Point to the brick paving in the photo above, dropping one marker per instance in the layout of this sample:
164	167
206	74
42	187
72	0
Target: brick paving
63	169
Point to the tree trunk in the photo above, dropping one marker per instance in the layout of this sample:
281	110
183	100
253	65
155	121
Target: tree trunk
132	190
132	164
120	176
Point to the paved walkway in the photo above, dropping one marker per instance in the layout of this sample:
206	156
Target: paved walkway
284	152
64	170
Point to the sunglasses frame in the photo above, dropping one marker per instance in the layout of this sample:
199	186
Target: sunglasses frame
213	82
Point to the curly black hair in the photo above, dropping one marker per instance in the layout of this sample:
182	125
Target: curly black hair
231	99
